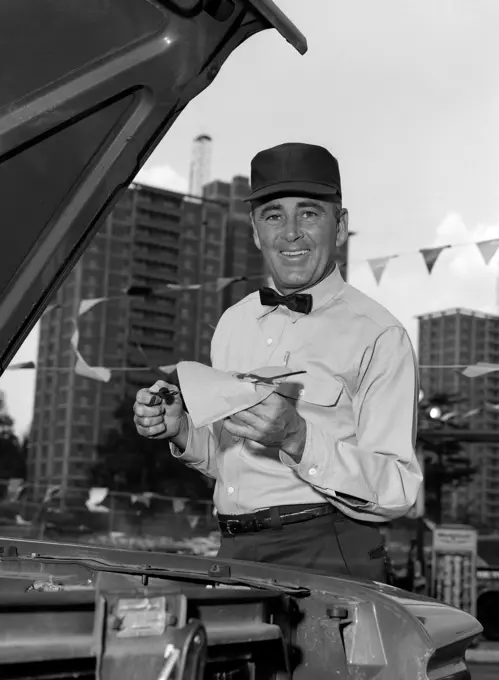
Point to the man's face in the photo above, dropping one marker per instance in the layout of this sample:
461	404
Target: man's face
299	238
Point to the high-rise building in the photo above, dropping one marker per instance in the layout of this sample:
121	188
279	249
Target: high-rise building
457	337
242	257
199	173
201	261
152	238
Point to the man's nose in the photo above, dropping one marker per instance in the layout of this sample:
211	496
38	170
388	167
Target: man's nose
292	230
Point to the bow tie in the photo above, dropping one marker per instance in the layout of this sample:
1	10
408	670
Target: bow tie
297	302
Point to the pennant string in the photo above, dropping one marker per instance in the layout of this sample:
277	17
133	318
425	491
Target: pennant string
487	248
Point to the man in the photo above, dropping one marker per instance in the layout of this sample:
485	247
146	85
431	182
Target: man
306	477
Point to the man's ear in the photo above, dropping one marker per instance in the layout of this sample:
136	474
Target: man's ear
256	238
342	228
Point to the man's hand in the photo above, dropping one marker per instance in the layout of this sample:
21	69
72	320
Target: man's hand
154	418
272	422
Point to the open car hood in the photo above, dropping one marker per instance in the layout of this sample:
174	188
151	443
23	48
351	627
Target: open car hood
87	91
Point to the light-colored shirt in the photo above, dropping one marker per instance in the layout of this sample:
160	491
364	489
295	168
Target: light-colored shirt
358	397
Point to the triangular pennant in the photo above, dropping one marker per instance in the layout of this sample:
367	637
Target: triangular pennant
178	505
430	256
167	370
472	412
100	373
96	496
85	370
50	308
86	305
144	498
183	286
193	521
488	249
51	492
480	368
378	266
15	489
24	364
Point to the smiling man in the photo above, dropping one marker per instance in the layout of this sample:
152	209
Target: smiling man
306	477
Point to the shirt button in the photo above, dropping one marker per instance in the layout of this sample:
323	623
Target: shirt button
269	341
230	490
236	439
312	471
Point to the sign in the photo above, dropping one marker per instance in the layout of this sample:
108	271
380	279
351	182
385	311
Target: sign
453	566
487	574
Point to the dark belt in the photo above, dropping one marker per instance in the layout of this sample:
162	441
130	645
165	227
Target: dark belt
271	518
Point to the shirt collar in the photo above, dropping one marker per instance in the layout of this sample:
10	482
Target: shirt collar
323	292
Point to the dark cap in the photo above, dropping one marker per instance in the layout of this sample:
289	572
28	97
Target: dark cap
295	169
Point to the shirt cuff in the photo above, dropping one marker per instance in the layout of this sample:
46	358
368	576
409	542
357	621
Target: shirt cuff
187	455
309	468
323	466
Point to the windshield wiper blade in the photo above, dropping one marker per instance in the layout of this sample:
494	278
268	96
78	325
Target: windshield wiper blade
219	573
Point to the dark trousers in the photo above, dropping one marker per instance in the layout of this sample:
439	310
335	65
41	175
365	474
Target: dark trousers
331	544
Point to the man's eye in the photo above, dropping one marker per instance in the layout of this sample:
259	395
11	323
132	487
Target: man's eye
309	215
273	216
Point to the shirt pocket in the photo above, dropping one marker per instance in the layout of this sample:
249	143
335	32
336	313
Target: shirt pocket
324	391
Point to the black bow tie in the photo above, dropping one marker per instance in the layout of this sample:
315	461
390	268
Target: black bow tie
297	302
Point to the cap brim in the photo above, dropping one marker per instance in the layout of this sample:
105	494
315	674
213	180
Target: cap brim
294	188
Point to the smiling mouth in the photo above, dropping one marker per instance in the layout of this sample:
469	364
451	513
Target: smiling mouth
295	253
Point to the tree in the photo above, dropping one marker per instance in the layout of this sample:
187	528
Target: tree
447	465
127	462
12	454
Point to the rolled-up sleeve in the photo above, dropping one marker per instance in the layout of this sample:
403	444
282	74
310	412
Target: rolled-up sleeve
377	477
202	442
200	451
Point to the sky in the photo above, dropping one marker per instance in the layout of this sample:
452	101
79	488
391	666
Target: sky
406	96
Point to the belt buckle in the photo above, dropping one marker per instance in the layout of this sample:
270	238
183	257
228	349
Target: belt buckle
232	523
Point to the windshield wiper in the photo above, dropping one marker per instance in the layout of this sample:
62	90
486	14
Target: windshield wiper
218	572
